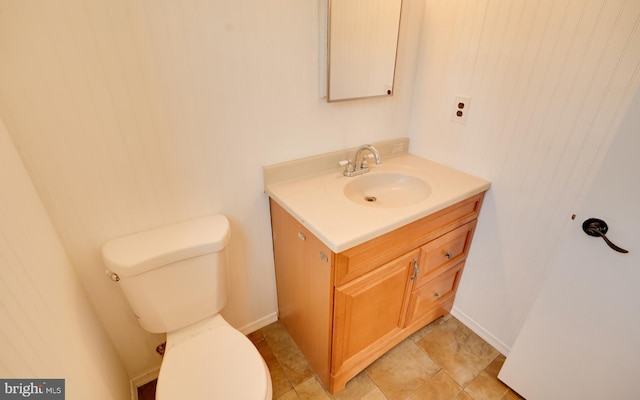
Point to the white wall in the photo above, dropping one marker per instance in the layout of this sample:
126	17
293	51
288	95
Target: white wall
549	81
48	328
130	114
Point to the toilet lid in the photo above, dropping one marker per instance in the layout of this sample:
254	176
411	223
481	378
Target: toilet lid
217	364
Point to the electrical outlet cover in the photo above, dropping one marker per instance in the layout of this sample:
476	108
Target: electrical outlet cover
461	109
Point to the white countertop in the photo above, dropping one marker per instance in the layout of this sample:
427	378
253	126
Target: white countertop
319	204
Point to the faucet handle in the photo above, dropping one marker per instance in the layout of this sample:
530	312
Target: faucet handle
347	163
364	163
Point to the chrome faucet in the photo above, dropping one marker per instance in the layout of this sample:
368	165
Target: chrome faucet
362	167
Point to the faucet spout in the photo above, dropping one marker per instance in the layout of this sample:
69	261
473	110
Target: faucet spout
372	150
362	167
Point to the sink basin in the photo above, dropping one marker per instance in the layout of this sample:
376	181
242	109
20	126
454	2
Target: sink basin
387	189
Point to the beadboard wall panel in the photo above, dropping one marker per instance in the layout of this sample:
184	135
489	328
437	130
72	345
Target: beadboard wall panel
549	82
131	114
48	328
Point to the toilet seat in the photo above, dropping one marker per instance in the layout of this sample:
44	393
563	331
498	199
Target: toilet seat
219	363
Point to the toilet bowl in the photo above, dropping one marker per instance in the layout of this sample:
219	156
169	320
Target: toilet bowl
174	279
215	361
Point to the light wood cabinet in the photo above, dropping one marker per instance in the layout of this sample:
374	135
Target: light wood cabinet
347	309
370	310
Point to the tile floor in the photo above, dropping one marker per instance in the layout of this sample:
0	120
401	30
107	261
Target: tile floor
443	361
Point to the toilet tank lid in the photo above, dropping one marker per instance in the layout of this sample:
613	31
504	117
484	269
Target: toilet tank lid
140	252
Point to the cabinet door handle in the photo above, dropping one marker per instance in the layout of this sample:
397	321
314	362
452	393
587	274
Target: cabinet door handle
415	269
446	254
436	295
302	236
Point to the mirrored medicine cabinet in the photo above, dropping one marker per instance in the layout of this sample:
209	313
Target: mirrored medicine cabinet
361	45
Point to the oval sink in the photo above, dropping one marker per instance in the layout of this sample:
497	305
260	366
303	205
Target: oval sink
387	189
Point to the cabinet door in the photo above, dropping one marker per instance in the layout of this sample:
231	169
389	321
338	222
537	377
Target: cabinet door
369	311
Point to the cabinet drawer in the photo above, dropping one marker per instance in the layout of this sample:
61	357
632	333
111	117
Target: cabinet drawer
367	256
440	290
449	249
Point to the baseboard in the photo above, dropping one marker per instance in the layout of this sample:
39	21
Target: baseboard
143	379
480	331
261	323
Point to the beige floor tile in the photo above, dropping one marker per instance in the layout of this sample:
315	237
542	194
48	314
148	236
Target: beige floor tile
484	387
462	353
494	367
402	369
279	380
439	387
377	395
311	389
361	387
429	328
487	386
256	336
374	395
290	395
293	363
463	396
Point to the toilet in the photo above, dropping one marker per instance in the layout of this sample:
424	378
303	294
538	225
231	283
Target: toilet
174	279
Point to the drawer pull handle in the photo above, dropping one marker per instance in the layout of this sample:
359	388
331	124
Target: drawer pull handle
302	236
436	295
415	269
447	255
324	257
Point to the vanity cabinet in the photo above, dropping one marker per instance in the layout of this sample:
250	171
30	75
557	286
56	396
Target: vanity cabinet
346	309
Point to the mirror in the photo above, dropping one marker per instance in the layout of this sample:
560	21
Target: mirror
362	40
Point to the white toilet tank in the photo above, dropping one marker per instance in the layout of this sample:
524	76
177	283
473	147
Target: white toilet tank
175	275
